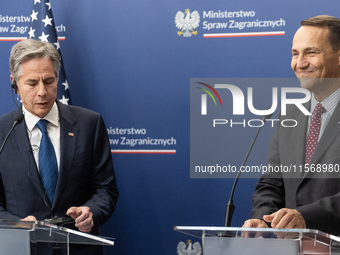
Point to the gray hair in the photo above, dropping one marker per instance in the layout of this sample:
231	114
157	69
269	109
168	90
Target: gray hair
29	49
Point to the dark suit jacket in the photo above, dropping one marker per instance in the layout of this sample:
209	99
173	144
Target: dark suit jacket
316	196
86	176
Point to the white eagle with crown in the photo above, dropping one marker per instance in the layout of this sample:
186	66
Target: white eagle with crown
189	248
187	22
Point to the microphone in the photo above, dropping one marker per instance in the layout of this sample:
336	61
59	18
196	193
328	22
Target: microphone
230	206
17	121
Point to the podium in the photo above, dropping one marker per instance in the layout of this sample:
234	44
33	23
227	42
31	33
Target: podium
20	237
263	241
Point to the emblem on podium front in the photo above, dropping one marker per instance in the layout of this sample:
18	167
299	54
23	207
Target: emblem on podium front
189	248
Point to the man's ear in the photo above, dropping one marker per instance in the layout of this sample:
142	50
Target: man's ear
14	84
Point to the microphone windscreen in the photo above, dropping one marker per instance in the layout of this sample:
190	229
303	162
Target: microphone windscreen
19	118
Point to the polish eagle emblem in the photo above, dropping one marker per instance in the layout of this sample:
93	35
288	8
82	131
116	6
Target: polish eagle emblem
187	22
189	248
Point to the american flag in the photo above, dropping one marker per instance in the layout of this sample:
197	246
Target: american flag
42	28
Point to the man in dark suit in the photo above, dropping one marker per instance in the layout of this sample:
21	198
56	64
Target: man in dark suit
306	199
84	187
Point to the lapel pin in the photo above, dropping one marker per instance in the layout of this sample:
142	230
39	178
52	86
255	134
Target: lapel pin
70	134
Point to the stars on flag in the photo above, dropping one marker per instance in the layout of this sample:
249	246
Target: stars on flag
42	27
34	16
64	100
65	84
43	37
49	6
57	45
47	21
31	32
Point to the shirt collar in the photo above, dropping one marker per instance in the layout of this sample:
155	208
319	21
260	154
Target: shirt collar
328	103
52	117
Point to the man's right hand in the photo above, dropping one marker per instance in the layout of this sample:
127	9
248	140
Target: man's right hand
26	225
29	218
254	223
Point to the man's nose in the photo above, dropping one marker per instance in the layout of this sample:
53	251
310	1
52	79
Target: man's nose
41	89
302	62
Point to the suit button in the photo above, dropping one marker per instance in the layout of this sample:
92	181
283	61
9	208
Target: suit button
298	204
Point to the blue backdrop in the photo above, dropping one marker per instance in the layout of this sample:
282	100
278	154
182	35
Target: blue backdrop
126	60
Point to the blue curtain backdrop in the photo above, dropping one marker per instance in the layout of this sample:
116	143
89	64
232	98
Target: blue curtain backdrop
126	60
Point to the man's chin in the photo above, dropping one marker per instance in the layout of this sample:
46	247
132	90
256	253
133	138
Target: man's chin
308	83
41	113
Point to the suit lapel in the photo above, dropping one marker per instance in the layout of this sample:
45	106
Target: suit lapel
24	151
301	136
299	141
68	142
329	134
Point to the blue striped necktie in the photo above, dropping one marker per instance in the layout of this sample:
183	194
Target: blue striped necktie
48	165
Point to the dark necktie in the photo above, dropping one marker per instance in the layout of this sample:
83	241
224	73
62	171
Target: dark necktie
314	131
48	165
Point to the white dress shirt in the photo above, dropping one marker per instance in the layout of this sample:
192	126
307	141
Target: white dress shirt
34	134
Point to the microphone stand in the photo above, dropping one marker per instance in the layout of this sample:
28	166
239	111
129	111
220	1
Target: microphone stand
17	121
230	206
